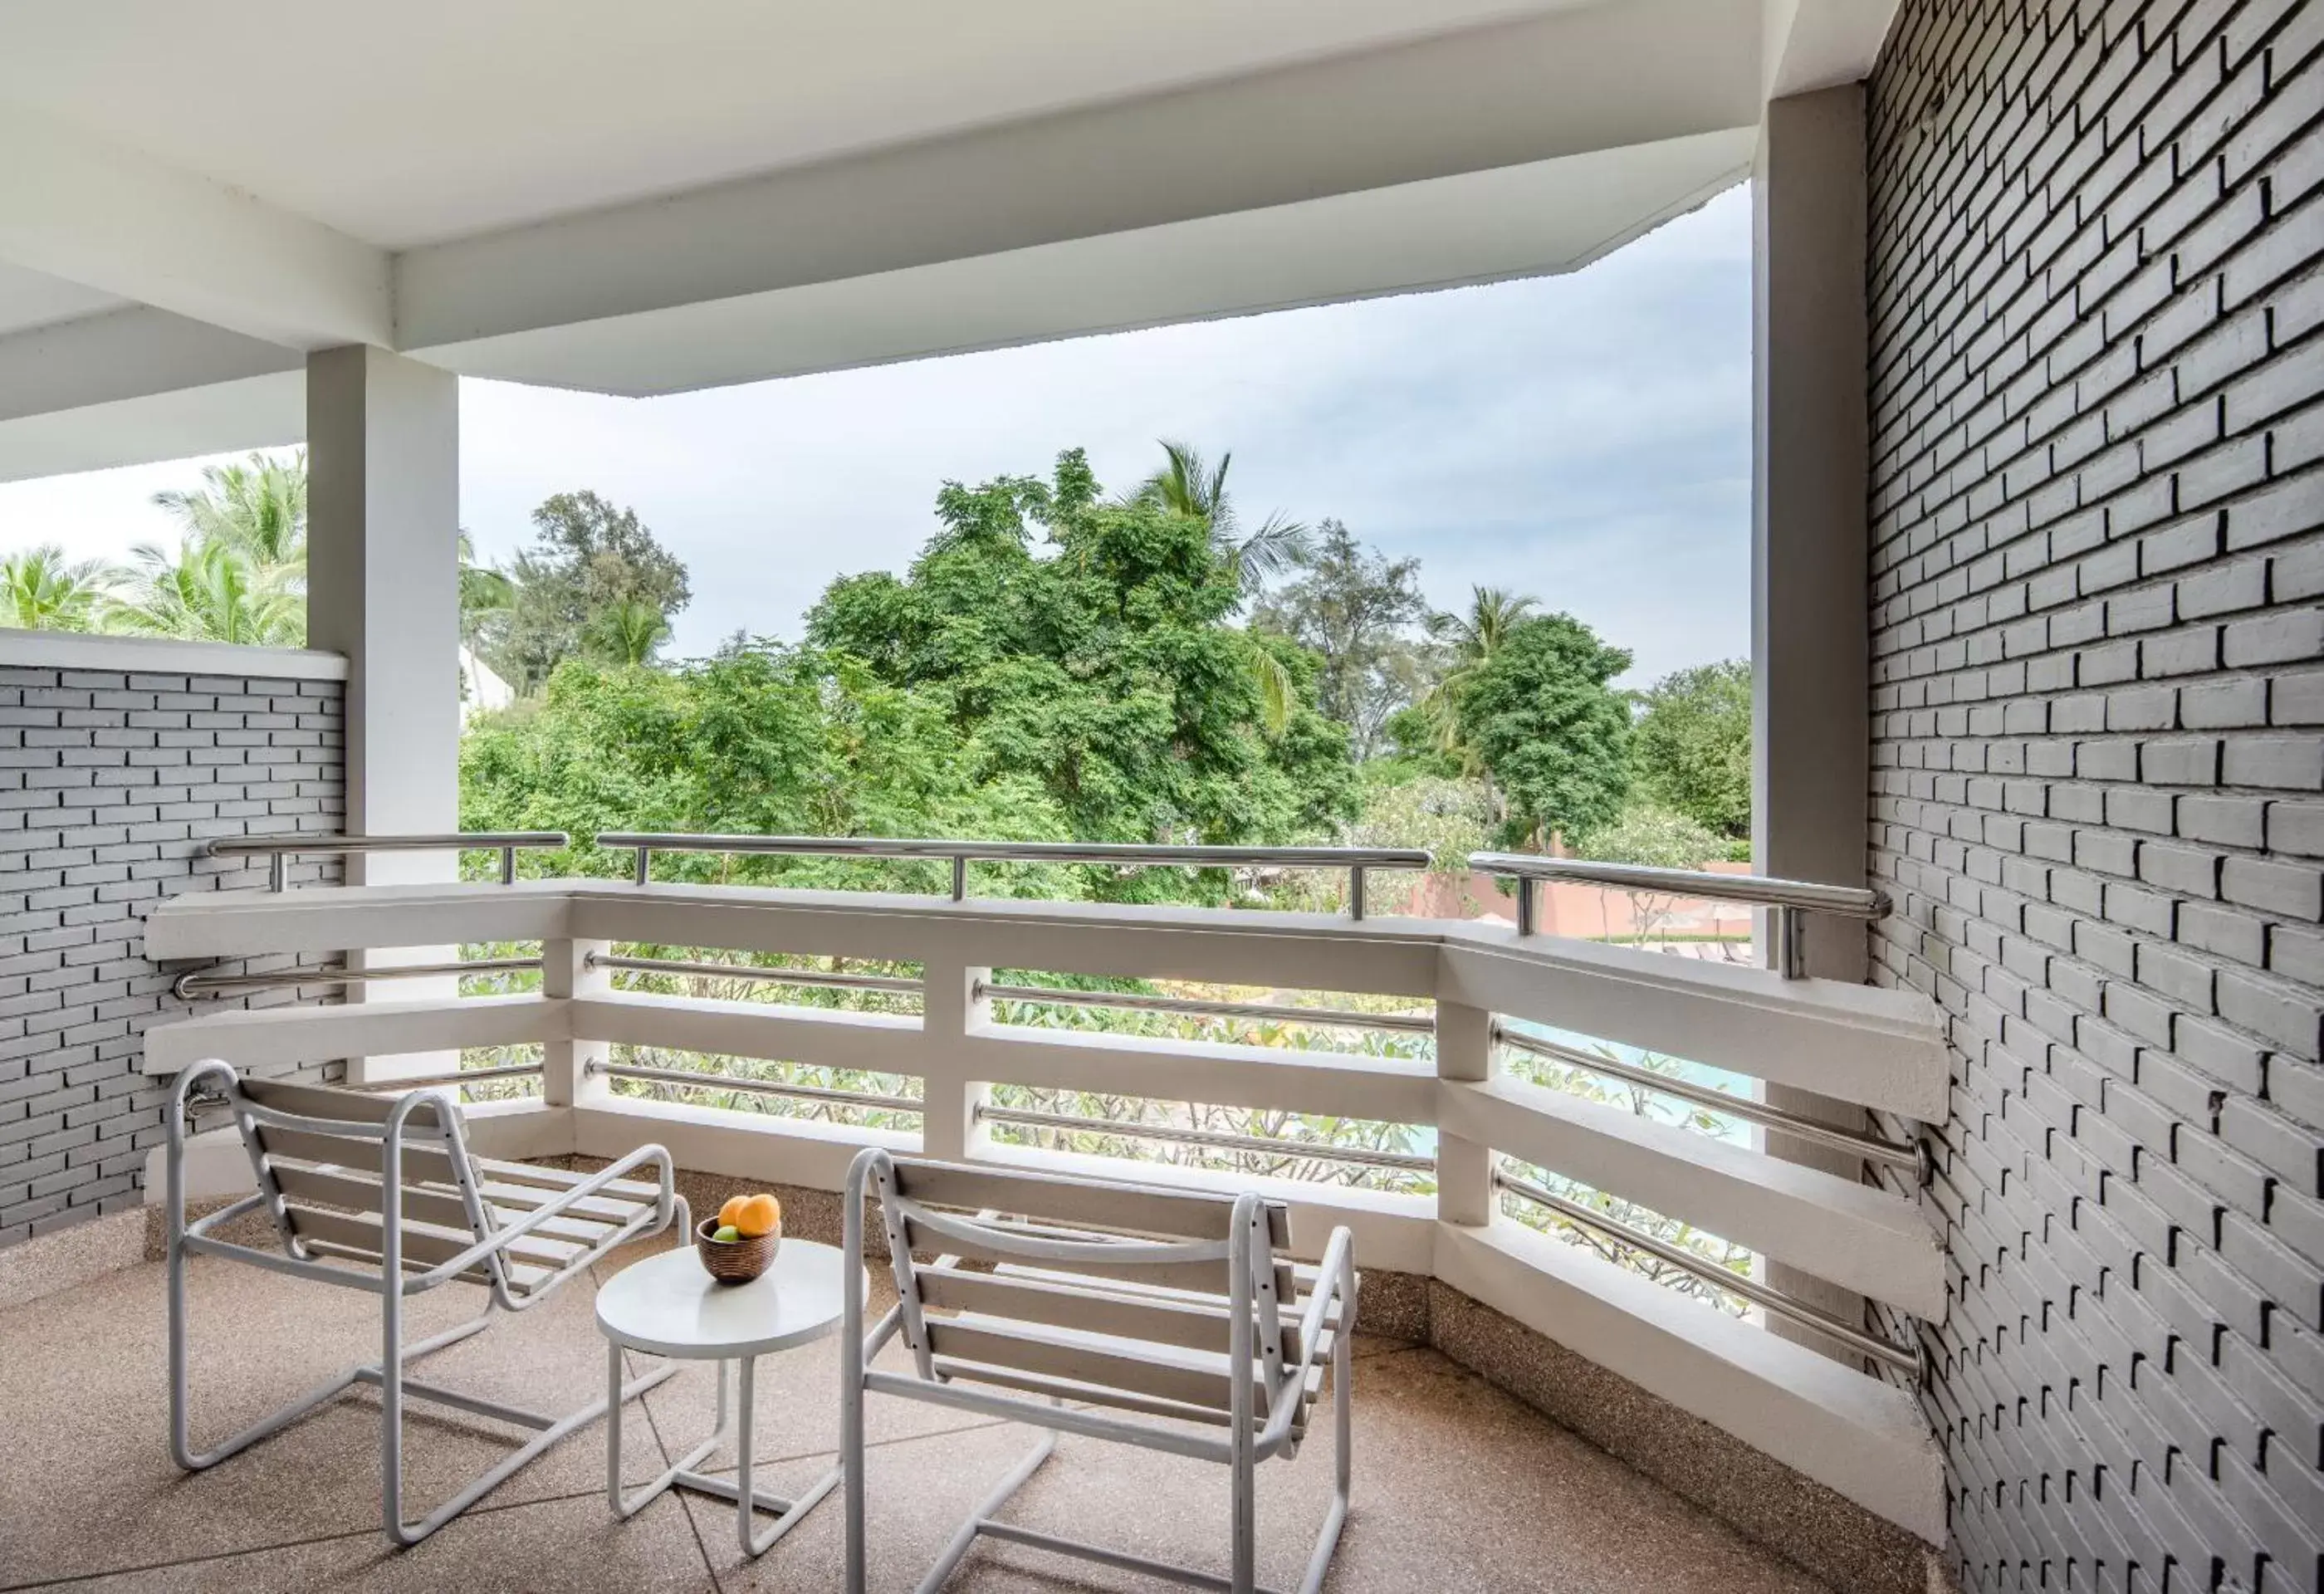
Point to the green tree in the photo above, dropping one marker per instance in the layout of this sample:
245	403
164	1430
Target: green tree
1540	715
210	590
628	632
259	509
588	558
485	591
1189	485
1468	640
1354	609
760	739
1105	666
42	590
1692	749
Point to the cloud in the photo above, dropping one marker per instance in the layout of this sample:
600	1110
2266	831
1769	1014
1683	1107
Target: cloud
1585	438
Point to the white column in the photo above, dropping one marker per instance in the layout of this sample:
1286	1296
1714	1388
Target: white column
566	972
1810	624
952	1008
1464	1168
383	588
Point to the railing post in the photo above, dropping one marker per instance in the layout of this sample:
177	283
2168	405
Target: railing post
565	1080
952	1010
1464	1168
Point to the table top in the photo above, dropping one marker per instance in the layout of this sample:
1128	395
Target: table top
668	1305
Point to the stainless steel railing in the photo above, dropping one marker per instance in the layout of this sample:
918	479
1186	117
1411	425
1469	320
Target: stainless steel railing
1913	1361
688	1079
281	848
1356	861
188	986
1216	1139
1788	899
819	978
1059	996
1902	1153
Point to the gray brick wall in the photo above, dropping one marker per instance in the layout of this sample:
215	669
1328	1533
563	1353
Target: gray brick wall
108	783
2097	409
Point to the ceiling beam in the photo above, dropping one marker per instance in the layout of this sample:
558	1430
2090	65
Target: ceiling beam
116	220
1811	44
129	386
1569	83
1553	216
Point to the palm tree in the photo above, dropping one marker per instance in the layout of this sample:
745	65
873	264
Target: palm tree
212	591
40	590
630	631
260	508
484	590
1471	638
1189	485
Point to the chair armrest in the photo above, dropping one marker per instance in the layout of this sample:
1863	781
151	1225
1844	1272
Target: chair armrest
1337	1283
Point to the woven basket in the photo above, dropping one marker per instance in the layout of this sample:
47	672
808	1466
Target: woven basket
736	1261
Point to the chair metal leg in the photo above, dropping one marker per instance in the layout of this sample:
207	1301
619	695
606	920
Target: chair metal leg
1319	1564
181	1449
982	1520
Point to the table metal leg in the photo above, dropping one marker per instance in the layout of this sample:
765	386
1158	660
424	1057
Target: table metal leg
735	1420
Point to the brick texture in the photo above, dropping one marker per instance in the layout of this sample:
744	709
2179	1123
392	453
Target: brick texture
109	782
2098	485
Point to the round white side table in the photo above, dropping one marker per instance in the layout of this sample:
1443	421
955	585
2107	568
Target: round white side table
667	1305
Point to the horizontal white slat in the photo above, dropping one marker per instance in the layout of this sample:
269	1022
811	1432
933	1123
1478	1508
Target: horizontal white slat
1213	1073
319	920
705	1139
1873	1048
1865	1239
1862	1437
317	1034
882	1043
1388	957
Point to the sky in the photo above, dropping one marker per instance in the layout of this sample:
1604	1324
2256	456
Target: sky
1584	439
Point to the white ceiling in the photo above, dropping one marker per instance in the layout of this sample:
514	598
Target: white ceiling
421	120
30	298
643	198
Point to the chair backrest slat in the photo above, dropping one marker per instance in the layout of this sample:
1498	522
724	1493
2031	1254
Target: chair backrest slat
1201	1279
1195	1325
424	1165
1084	1361
1082	1204
1097	1284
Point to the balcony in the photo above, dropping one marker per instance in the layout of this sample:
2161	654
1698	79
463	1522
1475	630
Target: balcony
90	1489
1497	1214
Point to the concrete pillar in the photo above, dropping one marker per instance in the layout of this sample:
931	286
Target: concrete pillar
1811	606
952	1008
1464	1168
383	588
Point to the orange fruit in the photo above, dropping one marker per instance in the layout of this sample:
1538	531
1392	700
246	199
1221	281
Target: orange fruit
760	1214
729	1215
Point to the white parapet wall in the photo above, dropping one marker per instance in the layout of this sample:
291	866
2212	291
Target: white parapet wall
1856	1434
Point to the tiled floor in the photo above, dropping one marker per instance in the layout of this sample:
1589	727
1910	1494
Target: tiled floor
1457	1485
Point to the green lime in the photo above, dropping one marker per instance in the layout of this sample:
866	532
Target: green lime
728	1235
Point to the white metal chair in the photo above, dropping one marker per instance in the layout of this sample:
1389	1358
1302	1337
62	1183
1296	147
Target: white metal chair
325	1160
1171	1304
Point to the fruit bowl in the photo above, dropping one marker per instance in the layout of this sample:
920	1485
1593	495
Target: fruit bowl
736	1261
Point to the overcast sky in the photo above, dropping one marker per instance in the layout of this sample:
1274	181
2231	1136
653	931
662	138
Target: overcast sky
1584	439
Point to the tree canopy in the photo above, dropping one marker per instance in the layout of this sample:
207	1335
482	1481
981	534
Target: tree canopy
594	582
1354	609
1693	750
1087	644
1544	720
